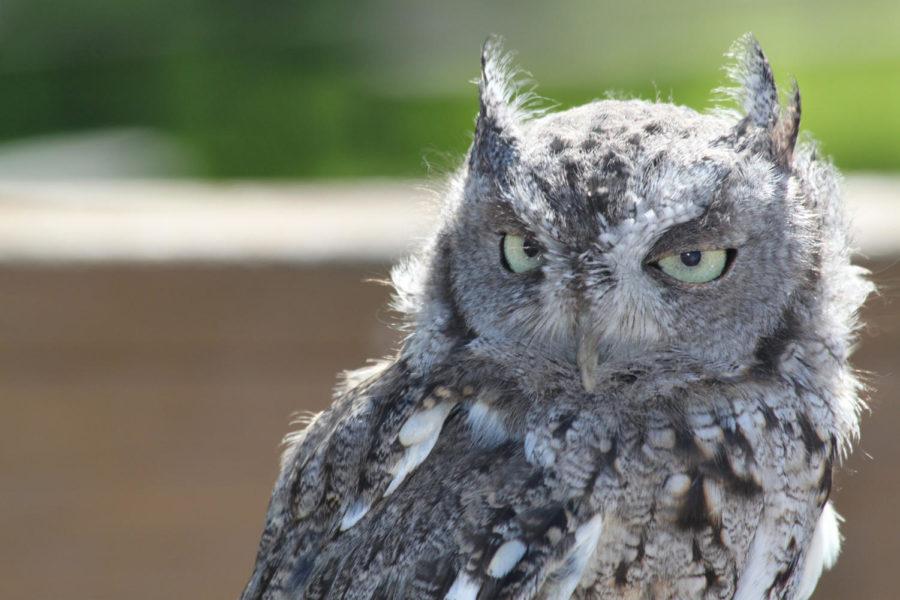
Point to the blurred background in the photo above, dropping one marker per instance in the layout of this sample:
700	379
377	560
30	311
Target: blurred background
194	194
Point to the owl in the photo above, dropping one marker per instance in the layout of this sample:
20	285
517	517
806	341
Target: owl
625	373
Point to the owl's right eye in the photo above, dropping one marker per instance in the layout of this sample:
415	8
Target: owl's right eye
520	254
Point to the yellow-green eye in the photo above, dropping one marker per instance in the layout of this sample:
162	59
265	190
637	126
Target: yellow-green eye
696	266
520	254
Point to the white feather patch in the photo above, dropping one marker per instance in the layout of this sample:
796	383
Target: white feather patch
463	588
758	574
586	538
505	558
422	425
354	513
417	452
823	552
761	567
486	425
678	484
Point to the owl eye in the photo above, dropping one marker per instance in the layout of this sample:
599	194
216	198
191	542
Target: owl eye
695	266
520	254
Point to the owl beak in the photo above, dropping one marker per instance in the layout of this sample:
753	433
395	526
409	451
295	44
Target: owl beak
587	358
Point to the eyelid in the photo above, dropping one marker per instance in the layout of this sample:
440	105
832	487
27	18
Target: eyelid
513	227
505	220
520	230
707	232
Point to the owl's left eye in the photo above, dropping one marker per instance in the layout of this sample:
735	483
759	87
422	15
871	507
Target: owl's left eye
695	266
520	254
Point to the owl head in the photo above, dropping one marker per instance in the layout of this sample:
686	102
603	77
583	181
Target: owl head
626	236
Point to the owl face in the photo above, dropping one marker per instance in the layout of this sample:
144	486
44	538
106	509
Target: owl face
583	241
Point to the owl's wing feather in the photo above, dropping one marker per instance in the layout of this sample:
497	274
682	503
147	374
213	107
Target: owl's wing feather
387	496
466	524
333	471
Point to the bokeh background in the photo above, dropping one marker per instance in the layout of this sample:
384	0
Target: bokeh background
194	194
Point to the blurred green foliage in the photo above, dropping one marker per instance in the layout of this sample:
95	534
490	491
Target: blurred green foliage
378	87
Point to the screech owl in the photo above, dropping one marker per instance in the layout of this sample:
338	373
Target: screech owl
626	373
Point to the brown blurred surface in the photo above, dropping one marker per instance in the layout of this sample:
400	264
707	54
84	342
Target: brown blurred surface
142	409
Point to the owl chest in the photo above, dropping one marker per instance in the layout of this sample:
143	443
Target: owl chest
684	504
675	533
685	497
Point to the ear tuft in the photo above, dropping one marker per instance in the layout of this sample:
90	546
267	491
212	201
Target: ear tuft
757	94
755	89
505	93
504	104
784	135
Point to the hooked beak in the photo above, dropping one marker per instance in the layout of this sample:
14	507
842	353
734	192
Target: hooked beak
587	356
